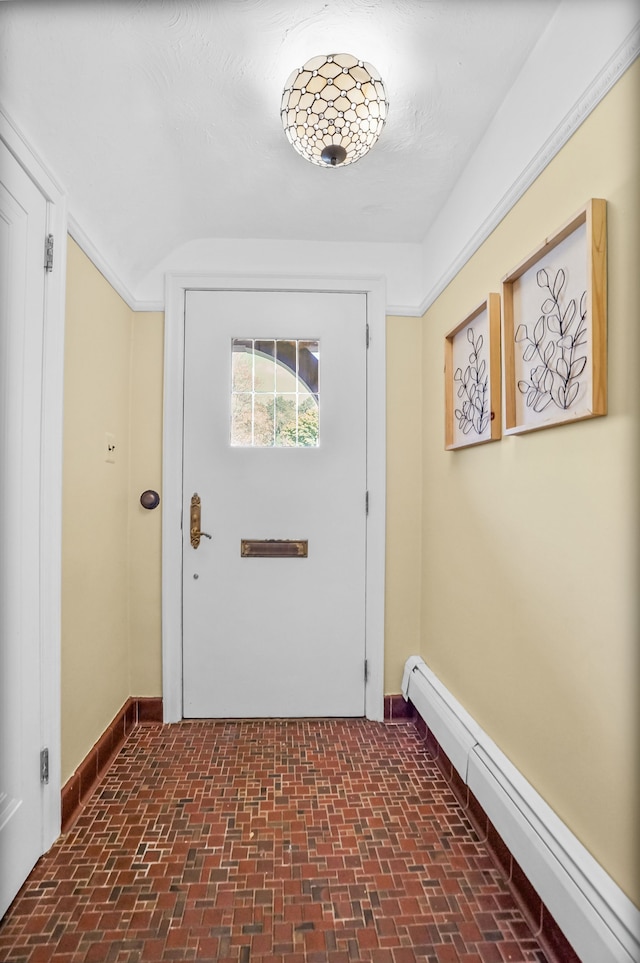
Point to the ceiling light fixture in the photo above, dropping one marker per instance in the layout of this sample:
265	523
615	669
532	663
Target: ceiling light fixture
333	109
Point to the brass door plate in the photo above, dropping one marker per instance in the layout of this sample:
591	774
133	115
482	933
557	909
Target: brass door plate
194	525
274	548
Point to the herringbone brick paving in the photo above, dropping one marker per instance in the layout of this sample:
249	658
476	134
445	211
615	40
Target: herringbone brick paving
269	842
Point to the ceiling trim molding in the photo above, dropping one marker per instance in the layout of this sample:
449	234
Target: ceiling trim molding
150	306
623	58
405	310
83	241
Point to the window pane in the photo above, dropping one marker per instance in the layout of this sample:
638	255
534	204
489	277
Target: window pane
308	421
242	365
265	367
241	420
309	354
263	427
275	400
286	377
286	428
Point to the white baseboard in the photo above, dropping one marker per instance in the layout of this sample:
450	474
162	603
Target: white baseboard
597	918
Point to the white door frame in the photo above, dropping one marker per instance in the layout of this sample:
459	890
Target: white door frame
50	470
176	287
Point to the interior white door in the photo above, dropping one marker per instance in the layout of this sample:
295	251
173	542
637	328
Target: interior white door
22	232
275	636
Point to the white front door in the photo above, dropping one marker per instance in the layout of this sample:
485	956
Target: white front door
275	451
22	233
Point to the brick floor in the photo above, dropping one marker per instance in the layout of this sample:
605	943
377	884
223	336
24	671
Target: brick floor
269	842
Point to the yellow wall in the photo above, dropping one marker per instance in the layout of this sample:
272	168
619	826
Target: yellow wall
111	642
95	640
145	527
530	565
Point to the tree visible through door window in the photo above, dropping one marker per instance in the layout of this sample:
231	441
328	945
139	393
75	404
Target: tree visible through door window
274	393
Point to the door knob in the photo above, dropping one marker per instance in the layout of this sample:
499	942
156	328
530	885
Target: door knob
194	526
149	499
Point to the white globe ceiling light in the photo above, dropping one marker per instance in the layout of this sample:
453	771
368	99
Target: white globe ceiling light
333	109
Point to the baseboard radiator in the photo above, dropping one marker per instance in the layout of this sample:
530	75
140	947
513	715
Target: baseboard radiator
596	917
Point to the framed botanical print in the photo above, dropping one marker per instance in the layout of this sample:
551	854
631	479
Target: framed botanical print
472	378
555	327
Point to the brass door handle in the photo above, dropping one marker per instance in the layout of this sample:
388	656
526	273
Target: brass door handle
194	524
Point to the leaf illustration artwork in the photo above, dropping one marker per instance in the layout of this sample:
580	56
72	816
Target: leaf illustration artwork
554	346
473	415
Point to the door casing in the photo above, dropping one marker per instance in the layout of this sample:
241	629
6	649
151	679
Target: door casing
176	286
50	474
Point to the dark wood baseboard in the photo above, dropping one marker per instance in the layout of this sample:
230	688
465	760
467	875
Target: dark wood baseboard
79	787
396	709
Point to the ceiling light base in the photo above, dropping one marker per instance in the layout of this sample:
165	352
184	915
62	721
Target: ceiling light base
334	155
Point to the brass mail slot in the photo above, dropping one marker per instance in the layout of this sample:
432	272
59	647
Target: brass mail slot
274	548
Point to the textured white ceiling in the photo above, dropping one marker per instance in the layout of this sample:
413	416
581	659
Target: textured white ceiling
161	117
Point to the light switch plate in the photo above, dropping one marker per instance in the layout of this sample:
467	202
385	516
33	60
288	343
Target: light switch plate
110	447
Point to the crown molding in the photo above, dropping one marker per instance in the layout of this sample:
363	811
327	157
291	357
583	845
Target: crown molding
405	310
624	56
149	306
83	241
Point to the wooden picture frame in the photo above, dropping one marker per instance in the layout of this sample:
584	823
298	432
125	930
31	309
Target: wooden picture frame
555	327
472	378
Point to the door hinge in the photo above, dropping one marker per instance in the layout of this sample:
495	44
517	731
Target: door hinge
366	503
48	253
44	766
366	670
368	335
